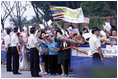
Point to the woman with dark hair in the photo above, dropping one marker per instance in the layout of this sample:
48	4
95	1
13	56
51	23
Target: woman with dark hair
42	56
63	55
59	56
52	45
113	36
66	57
71	26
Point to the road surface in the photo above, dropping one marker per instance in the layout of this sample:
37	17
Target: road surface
26	74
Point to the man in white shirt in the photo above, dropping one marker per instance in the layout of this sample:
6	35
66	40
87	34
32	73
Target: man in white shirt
95	46
15	51
34	53
8	50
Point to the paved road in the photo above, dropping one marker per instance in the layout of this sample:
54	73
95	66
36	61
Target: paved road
25	74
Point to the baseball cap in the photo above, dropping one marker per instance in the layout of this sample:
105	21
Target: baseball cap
15	28
8	30
95	29
32	29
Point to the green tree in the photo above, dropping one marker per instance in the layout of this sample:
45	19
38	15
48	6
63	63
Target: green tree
98	8
95	10
17	14
23	21
45	7
113	8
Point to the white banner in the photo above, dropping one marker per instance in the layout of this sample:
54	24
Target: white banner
67	14
111	50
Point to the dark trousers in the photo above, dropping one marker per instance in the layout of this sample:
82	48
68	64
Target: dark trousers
96	59
46	63
52	64
15	60
9	59
66	66
34	62
59	71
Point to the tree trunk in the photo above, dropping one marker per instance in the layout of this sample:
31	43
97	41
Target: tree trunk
2	23
36	12
20	25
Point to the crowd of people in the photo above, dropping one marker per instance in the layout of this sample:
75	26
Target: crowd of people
33	48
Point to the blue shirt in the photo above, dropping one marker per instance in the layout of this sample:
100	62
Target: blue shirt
113	39
50	47
43	46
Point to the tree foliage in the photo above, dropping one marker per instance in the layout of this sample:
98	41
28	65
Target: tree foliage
17	12
45	6
98	8
42	10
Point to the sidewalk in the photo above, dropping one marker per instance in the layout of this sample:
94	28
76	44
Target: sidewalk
25	74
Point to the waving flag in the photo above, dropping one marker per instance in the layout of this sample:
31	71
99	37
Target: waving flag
87	20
